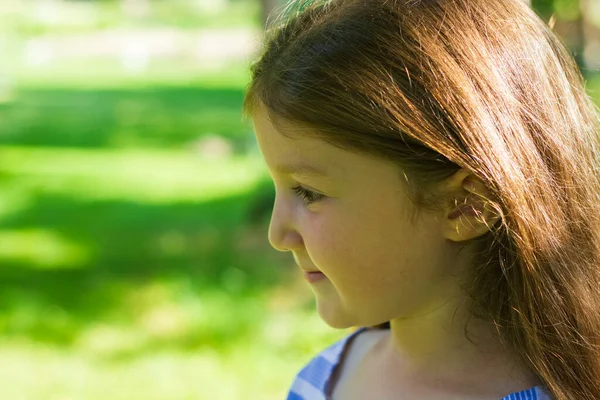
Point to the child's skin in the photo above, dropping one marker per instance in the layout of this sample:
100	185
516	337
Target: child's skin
380	266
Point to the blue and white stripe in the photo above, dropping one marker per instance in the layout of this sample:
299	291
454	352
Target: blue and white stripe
311	381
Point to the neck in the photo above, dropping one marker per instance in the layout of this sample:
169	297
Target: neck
445	346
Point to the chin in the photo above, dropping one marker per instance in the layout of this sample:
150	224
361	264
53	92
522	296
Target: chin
338	324
336	317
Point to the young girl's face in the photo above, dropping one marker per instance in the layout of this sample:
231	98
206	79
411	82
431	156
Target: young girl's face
347	216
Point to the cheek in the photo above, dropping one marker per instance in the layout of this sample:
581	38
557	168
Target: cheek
369	247
329	240
349	248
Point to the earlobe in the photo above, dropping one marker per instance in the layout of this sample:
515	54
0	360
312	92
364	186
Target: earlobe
471	213
469	221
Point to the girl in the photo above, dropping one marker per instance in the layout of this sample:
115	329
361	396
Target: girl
435	165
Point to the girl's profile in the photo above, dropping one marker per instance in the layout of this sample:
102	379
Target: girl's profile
436	172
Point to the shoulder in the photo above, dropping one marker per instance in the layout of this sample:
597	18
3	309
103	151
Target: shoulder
541	393
311	382
313	379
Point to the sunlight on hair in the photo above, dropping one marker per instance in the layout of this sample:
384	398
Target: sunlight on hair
295	7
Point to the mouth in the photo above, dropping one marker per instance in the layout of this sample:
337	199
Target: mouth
311	275
314	276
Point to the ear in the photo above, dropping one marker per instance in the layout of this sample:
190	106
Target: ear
469	213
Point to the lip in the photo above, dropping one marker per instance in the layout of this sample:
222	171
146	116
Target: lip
314	276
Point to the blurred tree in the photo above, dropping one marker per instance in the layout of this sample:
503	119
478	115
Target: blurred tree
569	18
590	15
136	8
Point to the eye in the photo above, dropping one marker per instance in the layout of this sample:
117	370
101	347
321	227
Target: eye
308	196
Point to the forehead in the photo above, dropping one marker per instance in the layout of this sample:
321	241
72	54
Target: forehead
300	154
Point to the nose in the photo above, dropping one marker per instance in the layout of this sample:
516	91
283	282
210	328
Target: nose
283	234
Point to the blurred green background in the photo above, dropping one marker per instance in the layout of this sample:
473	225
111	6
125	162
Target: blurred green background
134	205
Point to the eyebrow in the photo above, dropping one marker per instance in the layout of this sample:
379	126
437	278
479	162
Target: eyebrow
300	169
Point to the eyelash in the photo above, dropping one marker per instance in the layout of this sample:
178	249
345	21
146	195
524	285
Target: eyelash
308	196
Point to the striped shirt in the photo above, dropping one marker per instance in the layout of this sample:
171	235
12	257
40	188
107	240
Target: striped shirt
312	381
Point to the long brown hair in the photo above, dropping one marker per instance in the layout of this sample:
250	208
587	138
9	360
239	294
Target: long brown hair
438	85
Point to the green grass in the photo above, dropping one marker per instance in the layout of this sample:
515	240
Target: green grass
134	273
133	265
147	176
110	74
157	117
260	368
